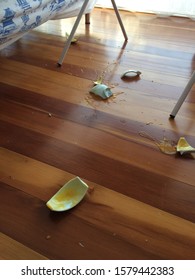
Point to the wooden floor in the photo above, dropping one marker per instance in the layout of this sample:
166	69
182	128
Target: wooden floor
141	203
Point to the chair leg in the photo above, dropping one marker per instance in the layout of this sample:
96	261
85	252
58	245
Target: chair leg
67	45
183	96
87	18
119	19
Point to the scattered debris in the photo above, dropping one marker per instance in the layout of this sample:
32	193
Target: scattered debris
101	77
166	146
148	123
90	189
169	147
81	244
104	91
48	237
100	89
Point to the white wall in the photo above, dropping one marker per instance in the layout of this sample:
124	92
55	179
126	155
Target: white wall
176	7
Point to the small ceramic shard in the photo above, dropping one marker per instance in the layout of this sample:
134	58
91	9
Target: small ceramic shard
101	90
48	237
68	196
74	40
98	81
131	74
184	147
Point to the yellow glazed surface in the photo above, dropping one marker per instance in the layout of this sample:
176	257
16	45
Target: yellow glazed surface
68	196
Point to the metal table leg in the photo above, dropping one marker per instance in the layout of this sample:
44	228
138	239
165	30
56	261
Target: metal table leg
67	45
183	96
119	19
87	19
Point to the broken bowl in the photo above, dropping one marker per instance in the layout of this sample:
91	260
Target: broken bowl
131	74
102	91
184	147
68	196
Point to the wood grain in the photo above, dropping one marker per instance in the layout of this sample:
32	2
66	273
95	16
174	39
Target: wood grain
52	129
14	250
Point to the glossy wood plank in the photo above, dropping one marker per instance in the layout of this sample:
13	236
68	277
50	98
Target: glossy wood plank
73	150
52	129
62	235
13	250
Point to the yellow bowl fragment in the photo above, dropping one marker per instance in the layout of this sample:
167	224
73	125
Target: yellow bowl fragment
68	196
183	146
